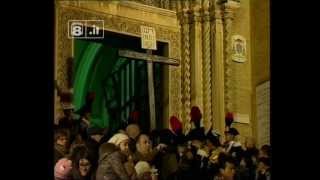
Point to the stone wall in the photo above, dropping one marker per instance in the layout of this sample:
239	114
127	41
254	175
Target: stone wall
251	21
260	49
241	72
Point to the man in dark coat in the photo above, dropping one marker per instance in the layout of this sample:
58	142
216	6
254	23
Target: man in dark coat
173	138
233	147
264	169
60	145
93	143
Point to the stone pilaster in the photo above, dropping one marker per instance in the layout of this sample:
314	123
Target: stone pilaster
196	56
207	99
218	70
229	8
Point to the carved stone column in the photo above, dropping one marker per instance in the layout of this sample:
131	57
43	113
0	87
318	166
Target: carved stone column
229	7
186	96
218	70
173	5
196	57
207	110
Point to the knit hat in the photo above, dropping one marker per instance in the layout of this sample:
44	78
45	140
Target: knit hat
176	125
62	169
118	138
195	114
142	167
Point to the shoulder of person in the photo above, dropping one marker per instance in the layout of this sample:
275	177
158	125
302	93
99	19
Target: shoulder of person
117	156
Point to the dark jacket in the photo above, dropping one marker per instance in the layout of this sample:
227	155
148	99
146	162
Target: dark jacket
235	150
186	168
198	133
132	145
111	164
150	157
59	152
265	176
93	148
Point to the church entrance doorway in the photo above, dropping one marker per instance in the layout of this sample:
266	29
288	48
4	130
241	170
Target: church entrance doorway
120	84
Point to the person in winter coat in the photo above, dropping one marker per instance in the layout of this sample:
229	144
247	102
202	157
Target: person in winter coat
247	169
113	160
60	145
81	163
250	150
233	147
93	142
264	169
168	159
144	151
227	167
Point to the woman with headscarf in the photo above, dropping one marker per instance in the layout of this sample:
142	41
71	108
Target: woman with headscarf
113	160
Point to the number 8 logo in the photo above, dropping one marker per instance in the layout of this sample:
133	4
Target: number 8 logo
76	29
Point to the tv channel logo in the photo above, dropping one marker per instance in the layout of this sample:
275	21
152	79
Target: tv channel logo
86	29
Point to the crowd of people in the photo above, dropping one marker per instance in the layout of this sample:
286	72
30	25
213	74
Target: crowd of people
83	152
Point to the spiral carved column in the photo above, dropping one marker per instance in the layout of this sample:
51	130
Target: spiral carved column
207	110
186	96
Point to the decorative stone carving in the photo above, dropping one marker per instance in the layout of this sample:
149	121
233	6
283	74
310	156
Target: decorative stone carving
228	13
186	83
207	110
197	56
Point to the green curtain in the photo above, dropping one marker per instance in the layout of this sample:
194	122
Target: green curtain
93	63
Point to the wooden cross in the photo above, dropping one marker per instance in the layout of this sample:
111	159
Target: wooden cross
150	60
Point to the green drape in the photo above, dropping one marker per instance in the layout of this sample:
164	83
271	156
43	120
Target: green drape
93	63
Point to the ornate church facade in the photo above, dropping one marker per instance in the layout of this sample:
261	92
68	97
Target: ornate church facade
222	47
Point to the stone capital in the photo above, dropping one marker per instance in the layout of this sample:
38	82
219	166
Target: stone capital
196	14
186	18
230	6
217	14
